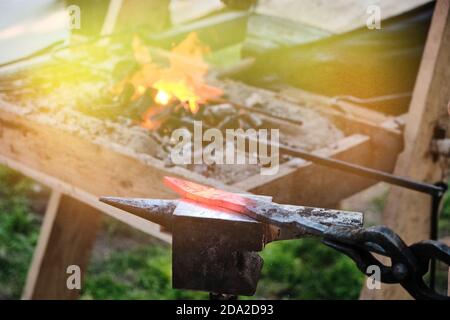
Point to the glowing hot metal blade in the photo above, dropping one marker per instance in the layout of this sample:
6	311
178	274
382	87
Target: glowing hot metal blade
262	211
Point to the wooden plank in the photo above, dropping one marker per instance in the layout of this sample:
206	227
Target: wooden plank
99	168
304	183
67	237
75	162
111	17
385	131
134	175
331	106
54	154
133	221
408	212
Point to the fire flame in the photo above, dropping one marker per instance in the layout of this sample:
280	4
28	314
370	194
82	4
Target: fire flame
162	97
184	81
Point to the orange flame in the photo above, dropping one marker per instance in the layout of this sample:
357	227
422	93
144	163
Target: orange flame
184	80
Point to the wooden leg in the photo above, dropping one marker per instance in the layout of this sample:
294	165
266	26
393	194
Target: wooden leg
67	236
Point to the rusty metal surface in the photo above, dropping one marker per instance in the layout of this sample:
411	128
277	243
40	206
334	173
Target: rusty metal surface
328	217
154	210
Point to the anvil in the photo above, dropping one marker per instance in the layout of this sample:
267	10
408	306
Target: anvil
217	234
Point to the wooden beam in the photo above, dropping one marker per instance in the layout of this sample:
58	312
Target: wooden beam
133	221
49	153
408	212
71	158
78	161
67	237
111	17
384	131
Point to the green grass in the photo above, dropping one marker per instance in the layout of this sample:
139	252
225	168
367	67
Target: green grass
141	273
304	269
18	233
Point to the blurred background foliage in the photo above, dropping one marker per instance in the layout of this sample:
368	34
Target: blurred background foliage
129	265
19	229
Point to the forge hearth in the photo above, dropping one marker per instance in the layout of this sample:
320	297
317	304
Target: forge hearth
81	130
109	107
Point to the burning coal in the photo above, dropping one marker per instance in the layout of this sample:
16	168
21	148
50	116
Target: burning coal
188	117
183	81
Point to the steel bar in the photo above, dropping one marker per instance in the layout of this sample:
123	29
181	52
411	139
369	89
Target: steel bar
358	170
365	172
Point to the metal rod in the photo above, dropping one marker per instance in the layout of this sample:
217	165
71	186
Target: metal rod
359	170
268	114
260	111
362	171
356	169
